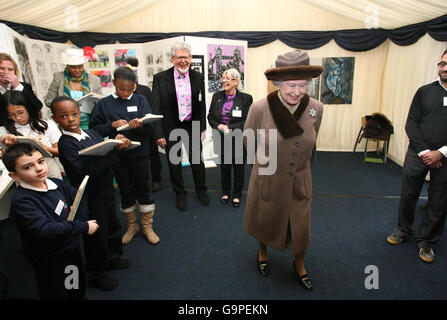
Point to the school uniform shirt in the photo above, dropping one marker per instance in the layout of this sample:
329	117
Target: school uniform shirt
51	136
112	108
41	218
98	168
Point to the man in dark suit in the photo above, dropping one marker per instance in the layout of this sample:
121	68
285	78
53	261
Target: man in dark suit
153	148
9	80
179	95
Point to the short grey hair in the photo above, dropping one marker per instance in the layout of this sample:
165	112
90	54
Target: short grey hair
180	46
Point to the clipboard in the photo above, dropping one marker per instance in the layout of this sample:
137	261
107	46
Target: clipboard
77	200
146	119
102	148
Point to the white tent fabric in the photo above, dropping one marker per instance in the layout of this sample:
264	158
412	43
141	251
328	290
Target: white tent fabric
385	78
387	14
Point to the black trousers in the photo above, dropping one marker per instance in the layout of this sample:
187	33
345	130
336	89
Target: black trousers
154	157
414	172
230	158
105	244
132	178
52	279
194	153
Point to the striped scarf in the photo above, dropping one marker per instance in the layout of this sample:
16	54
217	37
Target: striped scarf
68	77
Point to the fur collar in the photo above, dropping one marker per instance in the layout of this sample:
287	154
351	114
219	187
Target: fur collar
286	123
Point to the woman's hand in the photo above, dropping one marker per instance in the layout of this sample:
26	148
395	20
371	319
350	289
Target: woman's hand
223	128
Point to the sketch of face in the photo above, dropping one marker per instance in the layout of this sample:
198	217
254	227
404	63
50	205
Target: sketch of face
40	67
333	80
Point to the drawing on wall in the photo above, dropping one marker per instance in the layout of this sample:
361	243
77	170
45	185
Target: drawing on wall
44	85
101	60
41	69
24	64
150	73
220	58
36	50
121	55
159	58
150	59
337	80
48	50
197	63
105	76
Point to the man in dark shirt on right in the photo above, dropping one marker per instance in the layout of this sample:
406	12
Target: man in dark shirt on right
427	130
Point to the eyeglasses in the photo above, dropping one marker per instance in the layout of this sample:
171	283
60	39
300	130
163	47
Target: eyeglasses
181	58
19	114
442	64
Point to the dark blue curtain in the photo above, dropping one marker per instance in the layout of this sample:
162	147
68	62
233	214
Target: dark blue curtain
352	40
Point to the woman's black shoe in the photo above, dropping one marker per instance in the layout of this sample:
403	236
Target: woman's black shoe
304	279
224	200
236	203
262	266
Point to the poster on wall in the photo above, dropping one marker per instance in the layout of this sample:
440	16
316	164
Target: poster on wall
220	58
45	62
197	63
121	55
105	76
337	80
24	61
100	60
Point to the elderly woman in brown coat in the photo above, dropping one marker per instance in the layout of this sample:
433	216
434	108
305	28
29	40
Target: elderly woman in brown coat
285	125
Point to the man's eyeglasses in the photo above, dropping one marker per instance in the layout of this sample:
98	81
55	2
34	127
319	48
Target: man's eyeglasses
181	58
442	64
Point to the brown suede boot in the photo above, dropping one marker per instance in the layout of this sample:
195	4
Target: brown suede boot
132	225
147	213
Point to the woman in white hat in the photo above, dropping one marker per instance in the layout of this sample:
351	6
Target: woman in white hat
278	203
74	81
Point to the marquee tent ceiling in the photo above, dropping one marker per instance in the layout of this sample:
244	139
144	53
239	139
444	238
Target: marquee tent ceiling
58	15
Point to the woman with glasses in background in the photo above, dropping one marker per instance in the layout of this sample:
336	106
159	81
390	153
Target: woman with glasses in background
227	114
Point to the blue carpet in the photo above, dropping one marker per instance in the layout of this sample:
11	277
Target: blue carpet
205	254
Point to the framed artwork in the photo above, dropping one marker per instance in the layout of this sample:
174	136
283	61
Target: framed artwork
337	80
220	58
197	63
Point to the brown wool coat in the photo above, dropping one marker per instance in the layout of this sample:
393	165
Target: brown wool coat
285	196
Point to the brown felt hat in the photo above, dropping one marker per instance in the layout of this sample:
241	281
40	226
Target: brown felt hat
293	65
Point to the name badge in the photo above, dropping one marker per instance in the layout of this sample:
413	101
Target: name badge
132	109
237	113
445	101
59	208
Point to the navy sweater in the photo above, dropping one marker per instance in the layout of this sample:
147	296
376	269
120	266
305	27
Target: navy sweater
426	124
99	168
110	109
46	235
